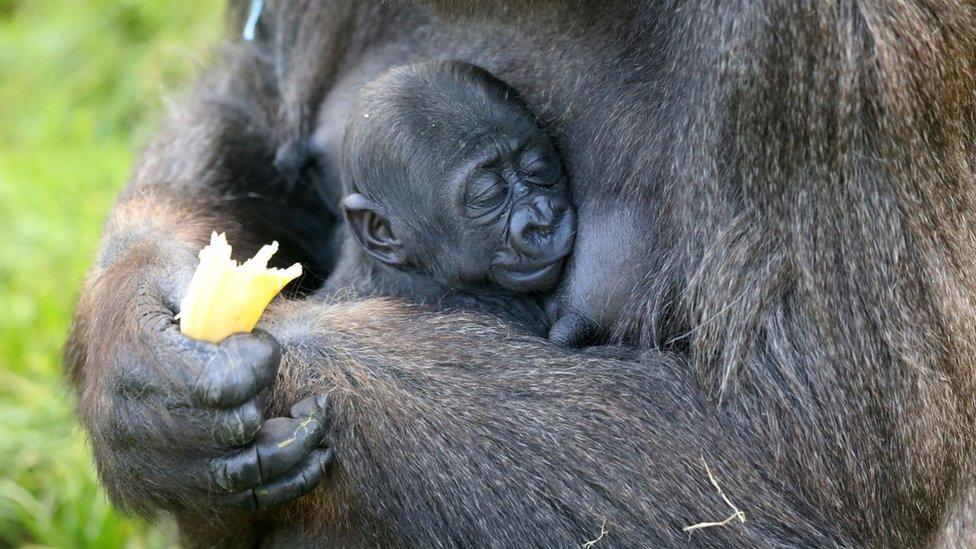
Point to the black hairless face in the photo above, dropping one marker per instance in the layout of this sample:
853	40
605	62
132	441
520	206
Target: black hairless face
518	198
447	174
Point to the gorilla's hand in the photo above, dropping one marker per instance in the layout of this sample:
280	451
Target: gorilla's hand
211	401
177	423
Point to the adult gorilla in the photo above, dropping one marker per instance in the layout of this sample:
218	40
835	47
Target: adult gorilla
802	289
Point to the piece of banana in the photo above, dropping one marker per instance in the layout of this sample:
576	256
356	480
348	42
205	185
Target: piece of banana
225	297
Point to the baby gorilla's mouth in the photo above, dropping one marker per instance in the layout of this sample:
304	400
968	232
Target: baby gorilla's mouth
540	271
537	280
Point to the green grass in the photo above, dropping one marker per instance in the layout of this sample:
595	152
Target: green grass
81	85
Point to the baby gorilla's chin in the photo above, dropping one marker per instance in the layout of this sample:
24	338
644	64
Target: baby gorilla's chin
528	281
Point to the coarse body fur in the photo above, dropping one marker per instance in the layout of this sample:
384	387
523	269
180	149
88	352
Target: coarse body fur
781	192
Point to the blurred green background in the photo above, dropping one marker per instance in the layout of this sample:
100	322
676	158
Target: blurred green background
82	84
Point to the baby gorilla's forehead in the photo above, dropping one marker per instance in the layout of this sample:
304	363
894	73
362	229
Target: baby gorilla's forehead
462	130
438	154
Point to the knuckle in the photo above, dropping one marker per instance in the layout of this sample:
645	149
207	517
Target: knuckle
212	389
238	426
220	475
236	472
233	370
309	428
281	443
257	348
313	405
300	482
222	381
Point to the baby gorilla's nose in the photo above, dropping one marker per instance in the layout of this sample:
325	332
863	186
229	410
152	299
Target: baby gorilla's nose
532	225
543	211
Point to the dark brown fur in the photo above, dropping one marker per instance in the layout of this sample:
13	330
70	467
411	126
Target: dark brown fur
801	281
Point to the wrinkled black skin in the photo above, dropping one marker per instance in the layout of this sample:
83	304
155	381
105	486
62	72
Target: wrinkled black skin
781	193
450	184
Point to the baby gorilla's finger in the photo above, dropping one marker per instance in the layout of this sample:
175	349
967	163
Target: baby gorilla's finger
571	330
297	482
241	366
279	446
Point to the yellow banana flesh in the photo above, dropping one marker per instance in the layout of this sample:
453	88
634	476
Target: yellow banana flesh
225	297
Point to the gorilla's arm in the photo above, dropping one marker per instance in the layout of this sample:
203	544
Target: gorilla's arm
460	432
823	295
176	424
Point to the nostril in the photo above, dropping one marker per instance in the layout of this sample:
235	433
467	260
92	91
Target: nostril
543	210
525	232
534	224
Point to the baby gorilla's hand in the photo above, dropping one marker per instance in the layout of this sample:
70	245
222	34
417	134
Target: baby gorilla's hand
572	329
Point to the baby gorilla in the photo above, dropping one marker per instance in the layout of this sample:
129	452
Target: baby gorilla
454	194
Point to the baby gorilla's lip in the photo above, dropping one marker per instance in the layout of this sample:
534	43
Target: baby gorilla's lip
534	280
517	273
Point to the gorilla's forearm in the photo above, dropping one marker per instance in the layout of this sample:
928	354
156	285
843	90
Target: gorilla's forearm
154	424
460	426
162	218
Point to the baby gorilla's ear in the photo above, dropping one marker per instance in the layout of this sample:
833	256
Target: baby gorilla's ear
371	227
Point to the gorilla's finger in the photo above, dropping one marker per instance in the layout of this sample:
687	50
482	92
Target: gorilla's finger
297	483
279	446
173	283
242	365
282	443
225	428
571	330
236	472
238	426
311	405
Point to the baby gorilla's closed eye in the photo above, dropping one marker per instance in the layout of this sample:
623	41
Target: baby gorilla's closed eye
436	211
484	195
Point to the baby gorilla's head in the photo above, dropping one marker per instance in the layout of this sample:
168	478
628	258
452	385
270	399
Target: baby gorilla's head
448	174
